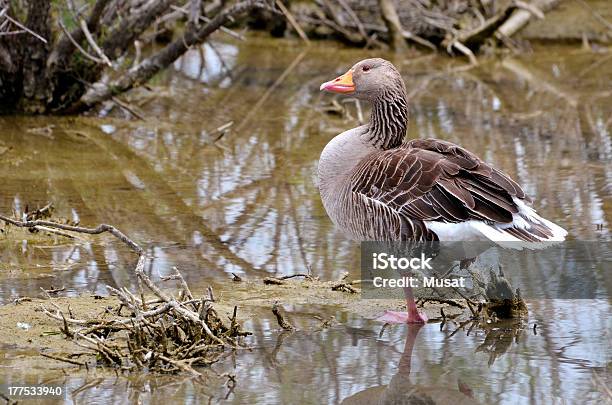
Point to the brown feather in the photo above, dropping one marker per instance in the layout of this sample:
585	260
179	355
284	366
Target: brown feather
425	180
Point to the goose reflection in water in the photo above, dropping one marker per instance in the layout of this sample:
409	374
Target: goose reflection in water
401	391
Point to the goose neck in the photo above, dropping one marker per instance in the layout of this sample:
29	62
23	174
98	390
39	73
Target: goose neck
389	119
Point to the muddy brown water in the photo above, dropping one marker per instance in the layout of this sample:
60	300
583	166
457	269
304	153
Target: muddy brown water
248	204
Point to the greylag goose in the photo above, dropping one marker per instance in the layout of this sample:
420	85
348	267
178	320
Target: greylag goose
375	186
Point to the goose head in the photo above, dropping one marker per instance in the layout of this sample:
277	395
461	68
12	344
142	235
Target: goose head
367	80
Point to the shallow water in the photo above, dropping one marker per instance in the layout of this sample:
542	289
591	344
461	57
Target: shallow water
249	205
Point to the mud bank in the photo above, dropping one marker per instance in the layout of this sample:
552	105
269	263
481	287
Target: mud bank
27	330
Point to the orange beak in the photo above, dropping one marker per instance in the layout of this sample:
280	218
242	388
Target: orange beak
342	84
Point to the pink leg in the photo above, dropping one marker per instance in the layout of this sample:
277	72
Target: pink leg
411	316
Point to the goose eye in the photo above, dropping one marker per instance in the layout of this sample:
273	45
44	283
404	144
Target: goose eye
365	68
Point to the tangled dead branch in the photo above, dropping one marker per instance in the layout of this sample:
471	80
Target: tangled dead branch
45	67
454	25
165	334
193	35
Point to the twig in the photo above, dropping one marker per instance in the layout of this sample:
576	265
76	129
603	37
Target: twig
338	24
346	287
474	314
19	300
79	47
39	213
445	301
282	322
23	27
198	335
354	17
466	51
308	276
58	317
292	21
64	359
531	8
343	276
221	131
53	290
55	231
207	20
10	33
419	40
178	276
128	108
93	44
273	281
461	325
183	365
102	228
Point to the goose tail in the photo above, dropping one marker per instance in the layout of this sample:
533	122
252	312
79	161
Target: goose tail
527	230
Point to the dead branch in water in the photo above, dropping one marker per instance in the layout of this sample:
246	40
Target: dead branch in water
342	285
282	322
280	280
345	287
163	335
64	359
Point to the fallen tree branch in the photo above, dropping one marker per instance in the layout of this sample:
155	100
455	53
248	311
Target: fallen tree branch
521	17
102	228
132	25
193	35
